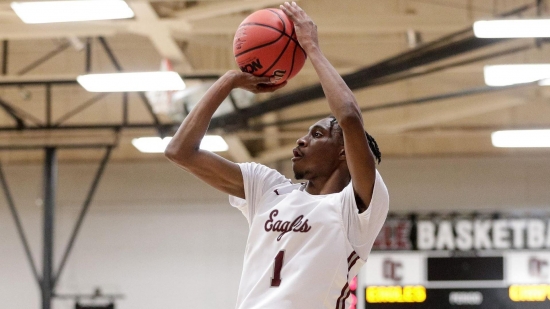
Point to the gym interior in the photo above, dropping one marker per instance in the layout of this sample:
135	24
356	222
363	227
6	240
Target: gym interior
88	220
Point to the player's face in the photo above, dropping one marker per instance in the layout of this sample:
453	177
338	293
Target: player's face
318	152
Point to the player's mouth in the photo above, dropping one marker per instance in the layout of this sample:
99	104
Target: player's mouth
297	155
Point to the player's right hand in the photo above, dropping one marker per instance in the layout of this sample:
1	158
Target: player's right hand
254	84
306	29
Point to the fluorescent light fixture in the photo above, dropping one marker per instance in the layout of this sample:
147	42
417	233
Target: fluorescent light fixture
128	82
151	144
512	28
511	74
40	12
521	138
545	82
214	143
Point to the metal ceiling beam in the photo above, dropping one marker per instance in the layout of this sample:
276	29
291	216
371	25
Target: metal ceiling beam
462	64
80	108
369	76
44	58
19	226
82	215
159	34
12	113
5	57
50	189
11	81
348	25
448	46
98	126
224	8
408	102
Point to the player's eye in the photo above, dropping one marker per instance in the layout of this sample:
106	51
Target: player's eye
317	134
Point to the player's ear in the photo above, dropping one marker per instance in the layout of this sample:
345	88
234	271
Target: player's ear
342	154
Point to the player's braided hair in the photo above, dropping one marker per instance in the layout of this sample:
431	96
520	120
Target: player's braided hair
372	142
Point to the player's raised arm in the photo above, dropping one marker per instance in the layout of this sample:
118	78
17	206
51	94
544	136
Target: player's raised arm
359	158
184	147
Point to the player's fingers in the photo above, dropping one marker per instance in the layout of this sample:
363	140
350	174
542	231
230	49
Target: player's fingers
254	80
292	8
286	8
262	80
294	12
270	87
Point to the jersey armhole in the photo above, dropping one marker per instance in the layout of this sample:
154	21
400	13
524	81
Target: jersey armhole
343	227
360	216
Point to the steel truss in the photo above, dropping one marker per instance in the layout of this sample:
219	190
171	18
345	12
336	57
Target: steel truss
23	119
50	276
49	279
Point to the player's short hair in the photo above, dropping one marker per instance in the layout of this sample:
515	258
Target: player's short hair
372	142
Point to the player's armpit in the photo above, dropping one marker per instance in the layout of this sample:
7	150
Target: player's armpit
361	206
213	169
363	228
359	159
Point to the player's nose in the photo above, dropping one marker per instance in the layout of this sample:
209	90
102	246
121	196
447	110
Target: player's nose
301	142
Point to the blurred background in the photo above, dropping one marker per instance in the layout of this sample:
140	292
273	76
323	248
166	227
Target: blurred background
92	214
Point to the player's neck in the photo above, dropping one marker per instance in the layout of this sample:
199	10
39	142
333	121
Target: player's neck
333	183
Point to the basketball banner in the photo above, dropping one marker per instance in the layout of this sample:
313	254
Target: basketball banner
462	233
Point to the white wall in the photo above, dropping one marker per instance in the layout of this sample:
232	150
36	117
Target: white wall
467	184
165	240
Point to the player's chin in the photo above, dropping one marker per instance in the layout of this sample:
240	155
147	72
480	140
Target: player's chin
298	173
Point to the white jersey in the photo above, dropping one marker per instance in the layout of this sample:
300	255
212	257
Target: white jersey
303	249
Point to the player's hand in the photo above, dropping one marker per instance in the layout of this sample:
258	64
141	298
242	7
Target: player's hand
254	84
306	30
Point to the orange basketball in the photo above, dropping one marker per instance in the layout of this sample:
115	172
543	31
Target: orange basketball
265	44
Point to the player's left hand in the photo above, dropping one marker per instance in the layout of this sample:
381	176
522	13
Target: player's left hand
306	30
254	84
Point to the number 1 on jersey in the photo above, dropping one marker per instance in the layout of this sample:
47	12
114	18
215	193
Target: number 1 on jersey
278	265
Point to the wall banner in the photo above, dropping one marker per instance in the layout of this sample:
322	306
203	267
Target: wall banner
464	233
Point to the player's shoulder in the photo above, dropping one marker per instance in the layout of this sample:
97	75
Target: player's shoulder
258	168
279	192
286	187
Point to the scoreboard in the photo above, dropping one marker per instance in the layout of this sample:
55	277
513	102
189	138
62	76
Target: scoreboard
440	280
412	266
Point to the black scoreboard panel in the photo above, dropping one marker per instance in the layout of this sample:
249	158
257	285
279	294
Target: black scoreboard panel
488	298
412	279
465	268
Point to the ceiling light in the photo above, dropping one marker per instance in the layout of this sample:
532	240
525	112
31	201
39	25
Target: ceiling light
511	74
65	11
508	28
545	82
521	138
128	82
214	143
151	144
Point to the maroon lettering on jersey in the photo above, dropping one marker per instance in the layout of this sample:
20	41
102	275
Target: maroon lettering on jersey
297	225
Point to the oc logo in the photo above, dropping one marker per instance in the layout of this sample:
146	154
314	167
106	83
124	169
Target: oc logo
392	270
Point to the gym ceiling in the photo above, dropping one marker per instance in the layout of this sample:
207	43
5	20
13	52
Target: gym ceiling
415	67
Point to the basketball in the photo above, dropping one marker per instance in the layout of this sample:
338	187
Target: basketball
265	44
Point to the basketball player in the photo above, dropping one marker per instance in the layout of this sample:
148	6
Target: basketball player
307	241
